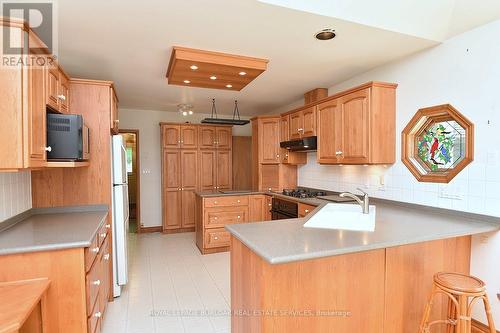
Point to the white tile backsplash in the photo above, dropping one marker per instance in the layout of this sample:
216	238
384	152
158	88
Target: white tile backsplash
15	193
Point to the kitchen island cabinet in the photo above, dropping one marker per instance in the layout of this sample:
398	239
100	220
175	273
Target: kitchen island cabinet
320	280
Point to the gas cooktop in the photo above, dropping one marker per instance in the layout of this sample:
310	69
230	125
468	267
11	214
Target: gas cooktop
303	193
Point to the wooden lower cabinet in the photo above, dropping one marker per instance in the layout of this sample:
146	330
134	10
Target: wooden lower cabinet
213	213
304	209
80	282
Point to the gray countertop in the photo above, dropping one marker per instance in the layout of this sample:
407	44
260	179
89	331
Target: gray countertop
45	229
285	241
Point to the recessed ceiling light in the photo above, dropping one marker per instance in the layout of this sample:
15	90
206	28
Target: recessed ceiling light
229	85
190	111
184	113
325	34
193	67
187	81
213	77
242	73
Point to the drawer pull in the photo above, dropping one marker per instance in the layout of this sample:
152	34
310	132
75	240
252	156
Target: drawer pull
106	256
215	202
307	210
108	226
95	249
216	238
239	216
96	282
215	218
61	97
103	235
269	204
98	314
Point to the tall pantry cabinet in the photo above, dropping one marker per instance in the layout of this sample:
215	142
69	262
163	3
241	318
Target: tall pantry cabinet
194	158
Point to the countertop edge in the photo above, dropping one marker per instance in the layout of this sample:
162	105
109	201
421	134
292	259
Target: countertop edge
323	254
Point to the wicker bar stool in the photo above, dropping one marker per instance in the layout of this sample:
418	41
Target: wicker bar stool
458	288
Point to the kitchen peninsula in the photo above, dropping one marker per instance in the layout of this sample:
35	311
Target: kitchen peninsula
340	280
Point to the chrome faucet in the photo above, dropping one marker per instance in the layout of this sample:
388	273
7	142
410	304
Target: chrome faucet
365	203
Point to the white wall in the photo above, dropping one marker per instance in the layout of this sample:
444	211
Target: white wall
15	193
465	72
147	122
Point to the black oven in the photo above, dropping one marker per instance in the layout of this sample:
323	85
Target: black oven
284	209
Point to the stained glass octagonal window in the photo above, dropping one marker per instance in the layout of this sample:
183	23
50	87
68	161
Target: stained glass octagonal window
437	143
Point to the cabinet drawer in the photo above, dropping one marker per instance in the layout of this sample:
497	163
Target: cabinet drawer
104	287
218	217
103	232
93	322
237	200
91	253
93	283
304	209
217	238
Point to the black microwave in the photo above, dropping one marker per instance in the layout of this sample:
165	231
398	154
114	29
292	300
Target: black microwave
67	138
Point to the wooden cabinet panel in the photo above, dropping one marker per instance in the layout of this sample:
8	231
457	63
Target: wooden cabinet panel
219	217
172	169
329	132
189	169
217	238
224	167
114	112
231	200
208	172
224	137
52	88
284	128
269	206
270	130
63	95
270	177
189	136
355	127
36	131
171	136
257	206
296	125
172	209
304	209
309	121
207	138
188	208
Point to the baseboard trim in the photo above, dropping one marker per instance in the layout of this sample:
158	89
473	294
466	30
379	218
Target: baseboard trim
151	229
176	231
478	327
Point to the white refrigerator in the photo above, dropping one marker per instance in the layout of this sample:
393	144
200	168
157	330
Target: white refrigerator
120	215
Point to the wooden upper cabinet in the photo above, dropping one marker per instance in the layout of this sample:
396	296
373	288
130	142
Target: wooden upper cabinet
63	94
52	88
296	125
171	136
208	171
37	126
270	132
114	112
358	127
355	127
284	128
207	138
309	122
224	170
224	137
189	136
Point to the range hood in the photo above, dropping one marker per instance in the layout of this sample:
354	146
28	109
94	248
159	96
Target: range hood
304	144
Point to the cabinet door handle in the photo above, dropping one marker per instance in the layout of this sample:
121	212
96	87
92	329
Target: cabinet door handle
306	210
49	149
238	201
215	218
98	314
96	282
215	202
106	256
216	238
108	226
300	130
116	121
269	204
61	97
239	216
95	249
277	155
103	235
338	153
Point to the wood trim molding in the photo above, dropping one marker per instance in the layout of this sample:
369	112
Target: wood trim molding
150	229
343	93
138	168
479	327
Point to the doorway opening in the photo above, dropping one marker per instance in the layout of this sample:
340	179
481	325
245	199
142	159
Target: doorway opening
131	142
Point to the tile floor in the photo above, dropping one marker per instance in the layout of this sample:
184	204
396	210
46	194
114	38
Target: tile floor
172	288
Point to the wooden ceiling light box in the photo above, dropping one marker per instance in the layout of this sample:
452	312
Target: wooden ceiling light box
207	69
